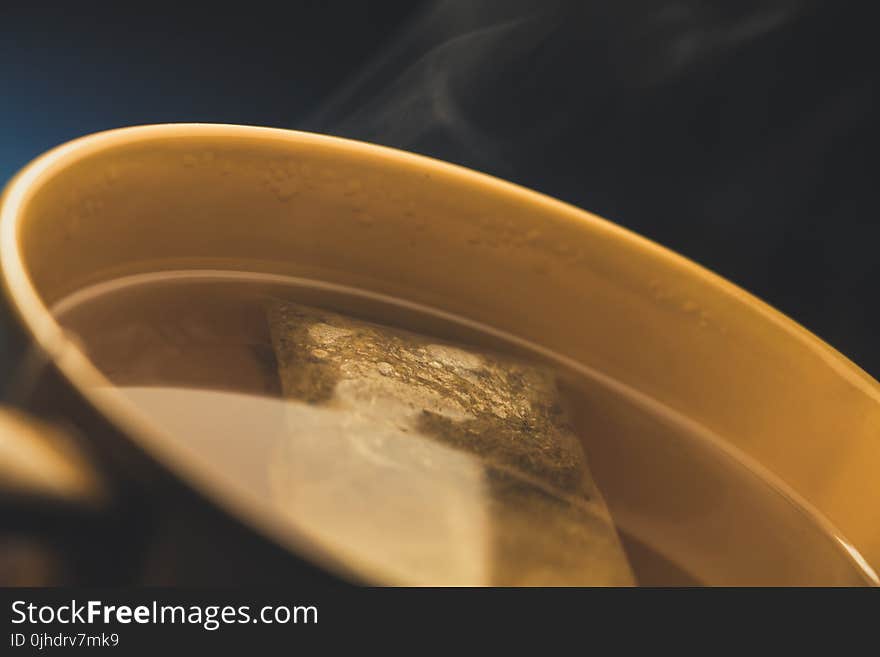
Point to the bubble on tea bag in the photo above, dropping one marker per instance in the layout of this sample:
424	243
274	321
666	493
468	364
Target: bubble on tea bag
430	463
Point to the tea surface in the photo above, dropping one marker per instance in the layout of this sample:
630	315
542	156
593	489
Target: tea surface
201	354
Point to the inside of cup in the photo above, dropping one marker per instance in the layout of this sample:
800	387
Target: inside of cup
280	203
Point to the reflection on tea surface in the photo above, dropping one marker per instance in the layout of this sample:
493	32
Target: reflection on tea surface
424	450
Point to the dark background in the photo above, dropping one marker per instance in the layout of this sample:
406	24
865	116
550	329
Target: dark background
740	133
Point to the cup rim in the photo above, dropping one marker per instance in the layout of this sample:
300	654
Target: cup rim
19	189
23	299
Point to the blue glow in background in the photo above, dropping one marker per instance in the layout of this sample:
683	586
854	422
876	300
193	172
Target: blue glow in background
72	68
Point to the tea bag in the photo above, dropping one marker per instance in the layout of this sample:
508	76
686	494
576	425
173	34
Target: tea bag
424	462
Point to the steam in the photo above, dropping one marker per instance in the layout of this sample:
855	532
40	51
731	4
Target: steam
486	82
416	95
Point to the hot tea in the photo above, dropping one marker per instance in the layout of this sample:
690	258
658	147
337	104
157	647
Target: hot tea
423	448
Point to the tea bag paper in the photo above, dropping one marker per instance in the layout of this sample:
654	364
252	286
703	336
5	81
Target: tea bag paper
423	462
